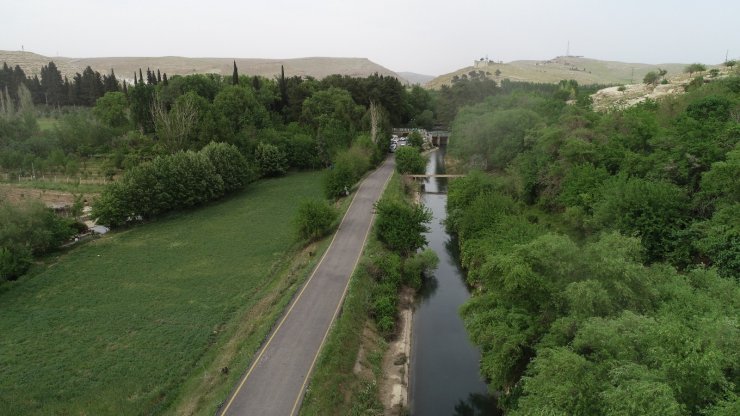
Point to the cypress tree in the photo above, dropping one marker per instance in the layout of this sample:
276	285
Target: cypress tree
136	81
164	79
125	89
283	87
256	83
235	75
141	77
159	76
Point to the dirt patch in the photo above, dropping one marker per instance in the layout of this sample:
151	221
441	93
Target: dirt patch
16	194
394	386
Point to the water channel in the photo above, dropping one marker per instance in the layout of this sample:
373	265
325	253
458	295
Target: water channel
445	376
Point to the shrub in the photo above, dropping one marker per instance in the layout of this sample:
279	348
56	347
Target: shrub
270	160
14	261
409	160
400	225
27	230
418	266
315	219
415	139
348	168
230	164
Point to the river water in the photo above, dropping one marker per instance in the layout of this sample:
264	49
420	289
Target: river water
445	376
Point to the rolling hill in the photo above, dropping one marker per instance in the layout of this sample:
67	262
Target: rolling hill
124	67
583	70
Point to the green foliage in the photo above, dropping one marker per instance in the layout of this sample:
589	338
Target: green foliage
15	259
400	225
574	311
348	168
654	211
28	230
651	78
112	109
141	99
409	160
582	186
271	161
695	67
415	139
230	164
315	219
416	267
496	137
171	182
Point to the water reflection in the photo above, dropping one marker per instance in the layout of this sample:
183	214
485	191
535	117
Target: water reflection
428	287
445	375
477	405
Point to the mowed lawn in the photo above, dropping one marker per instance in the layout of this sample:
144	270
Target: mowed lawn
118	325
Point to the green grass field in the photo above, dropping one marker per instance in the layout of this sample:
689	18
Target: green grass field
47	123
142	321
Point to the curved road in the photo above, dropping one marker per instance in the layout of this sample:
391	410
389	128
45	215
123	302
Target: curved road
275	382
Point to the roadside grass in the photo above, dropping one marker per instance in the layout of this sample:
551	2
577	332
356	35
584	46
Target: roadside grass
335	387
338	386
134	322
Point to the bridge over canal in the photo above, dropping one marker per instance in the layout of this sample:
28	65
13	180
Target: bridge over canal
436	137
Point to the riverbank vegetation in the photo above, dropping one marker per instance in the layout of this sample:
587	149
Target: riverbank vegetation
604	251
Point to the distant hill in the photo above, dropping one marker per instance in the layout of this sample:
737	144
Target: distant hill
583	70
414	78
125	67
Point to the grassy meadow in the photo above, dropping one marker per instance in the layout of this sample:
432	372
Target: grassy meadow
150	320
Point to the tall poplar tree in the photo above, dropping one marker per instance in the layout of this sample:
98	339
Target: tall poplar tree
235	75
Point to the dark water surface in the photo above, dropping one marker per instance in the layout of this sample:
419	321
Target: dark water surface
445	376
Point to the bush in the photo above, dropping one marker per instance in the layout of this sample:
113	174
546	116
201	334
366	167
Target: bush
315	219
230	164
418	266
14	261
270	160
383	309
409	160
31	229
415	139
400	225
655	211
348	168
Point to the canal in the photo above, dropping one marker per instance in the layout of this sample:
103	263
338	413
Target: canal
445	378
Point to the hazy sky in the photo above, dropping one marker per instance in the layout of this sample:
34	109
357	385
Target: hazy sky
426	36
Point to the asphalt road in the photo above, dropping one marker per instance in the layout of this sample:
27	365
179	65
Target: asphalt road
275	383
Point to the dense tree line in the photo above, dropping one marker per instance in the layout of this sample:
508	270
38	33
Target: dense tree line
605	250
53	89
171	182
